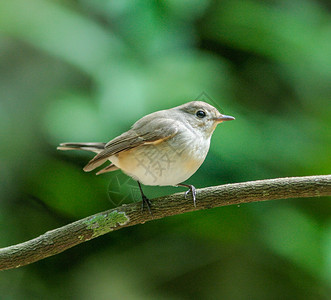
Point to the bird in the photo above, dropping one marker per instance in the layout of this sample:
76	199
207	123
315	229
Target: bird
163	148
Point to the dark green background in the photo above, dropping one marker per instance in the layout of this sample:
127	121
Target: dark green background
85	70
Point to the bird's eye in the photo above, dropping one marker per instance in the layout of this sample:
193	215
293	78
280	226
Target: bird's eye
200	114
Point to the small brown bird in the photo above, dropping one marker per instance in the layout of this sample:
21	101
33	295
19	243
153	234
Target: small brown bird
163	148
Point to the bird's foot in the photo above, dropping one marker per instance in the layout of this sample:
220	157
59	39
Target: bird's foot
145	200
147	203
191	189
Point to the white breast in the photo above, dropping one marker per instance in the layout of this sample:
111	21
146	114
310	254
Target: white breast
167	163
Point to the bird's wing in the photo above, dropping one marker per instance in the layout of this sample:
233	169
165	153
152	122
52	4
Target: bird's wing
145	131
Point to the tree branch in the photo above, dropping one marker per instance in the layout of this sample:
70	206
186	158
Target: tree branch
61	239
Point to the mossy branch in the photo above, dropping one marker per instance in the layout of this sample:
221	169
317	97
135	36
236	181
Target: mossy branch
61	239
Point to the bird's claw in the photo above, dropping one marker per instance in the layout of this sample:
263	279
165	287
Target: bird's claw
147	203
145	200
191	189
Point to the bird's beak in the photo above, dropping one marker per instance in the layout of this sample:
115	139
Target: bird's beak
222	118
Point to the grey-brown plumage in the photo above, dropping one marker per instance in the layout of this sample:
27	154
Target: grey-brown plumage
92	147
163	148
151	129
138	135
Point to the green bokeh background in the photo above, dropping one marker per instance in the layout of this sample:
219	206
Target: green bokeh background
85	70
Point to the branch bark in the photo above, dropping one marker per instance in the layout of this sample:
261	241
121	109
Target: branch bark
63	238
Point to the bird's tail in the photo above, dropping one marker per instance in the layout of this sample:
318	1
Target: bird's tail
92	147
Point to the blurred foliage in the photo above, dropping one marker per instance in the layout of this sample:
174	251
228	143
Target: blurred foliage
86	70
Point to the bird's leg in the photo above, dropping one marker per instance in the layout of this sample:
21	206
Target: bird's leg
191	189
145	200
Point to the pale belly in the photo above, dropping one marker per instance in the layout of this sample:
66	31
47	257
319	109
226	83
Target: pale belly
163	164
